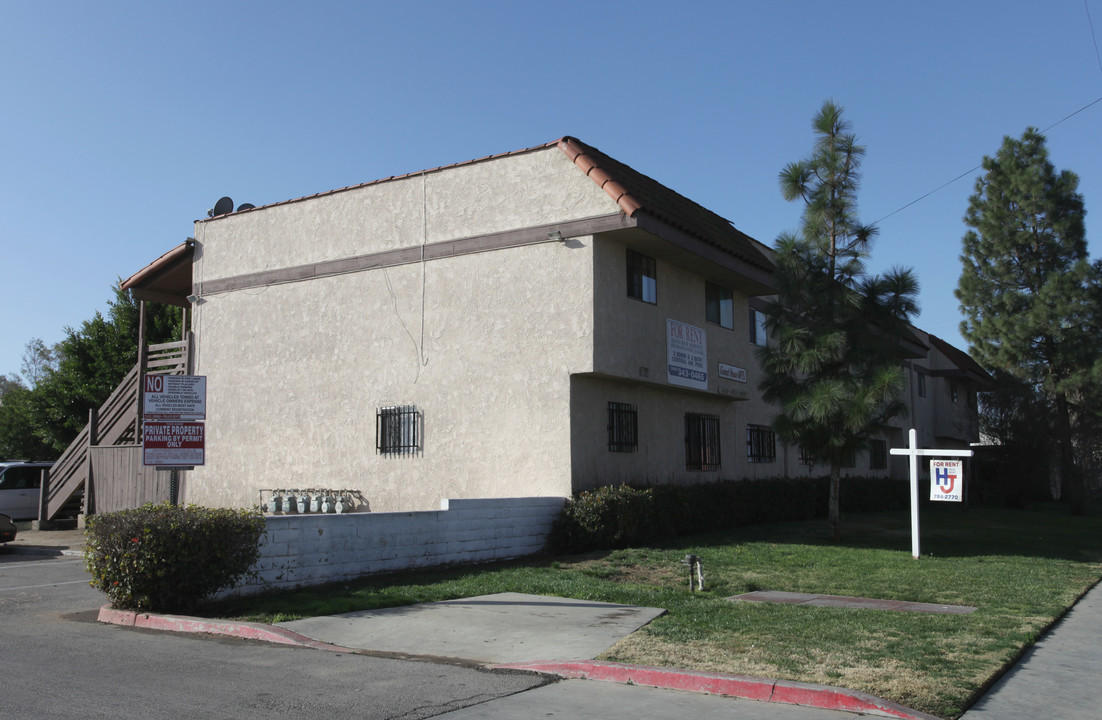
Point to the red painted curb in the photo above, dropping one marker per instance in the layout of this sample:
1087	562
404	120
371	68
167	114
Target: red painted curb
751	688
185	624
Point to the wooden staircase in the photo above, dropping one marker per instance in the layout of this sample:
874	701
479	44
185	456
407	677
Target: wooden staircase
105	457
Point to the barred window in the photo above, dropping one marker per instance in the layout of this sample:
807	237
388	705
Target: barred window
806	458
701	442
623	427
878	455
397	430
761	444
849	460
642	277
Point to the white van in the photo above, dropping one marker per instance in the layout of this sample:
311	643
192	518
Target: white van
20	488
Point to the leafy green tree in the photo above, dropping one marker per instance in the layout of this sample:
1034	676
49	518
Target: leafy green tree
94	359
17	441
38	359
834	368
1028	290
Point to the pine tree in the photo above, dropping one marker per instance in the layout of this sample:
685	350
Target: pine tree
1028	289
834	367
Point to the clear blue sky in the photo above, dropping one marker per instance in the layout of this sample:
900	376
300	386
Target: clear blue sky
123	122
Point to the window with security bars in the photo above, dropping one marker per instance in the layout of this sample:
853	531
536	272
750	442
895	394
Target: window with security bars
397	430
878	455
701	442
849	460
761	444
623	427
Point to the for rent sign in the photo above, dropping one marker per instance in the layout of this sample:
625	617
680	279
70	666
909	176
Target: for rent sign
946	480
687	355
173	444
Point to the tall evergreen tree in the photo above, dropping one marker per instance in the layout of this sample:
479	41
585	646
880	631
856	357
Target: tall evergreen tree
834	367
1028	290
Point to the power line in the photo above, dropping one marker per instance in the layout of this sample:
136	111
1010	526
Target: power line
1097	55
1090	23
969	172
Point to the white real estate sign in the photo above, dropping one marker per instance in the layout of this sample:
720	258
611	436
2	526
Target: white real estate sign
947	480
913	452
686	355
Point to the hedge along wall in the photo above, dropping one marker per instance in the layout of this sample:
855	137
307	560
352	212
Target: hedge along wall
316	549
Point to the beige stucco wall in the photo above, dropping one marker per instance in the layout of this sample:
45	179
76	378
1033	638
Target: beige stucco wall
506	193
483	344
630	361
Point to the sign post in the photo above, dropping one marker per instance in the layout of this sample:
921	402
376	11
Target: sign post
913	451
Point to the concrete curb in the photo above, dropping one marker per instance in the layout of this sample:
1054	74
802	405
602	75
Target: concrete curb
185	624
751	688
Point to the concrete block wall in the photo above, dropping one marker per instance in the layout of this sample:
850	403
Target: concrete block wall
314	549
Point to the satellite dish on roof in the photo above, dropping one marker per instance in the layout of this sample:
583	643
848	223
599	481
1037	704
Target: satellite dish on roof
222	207
245	206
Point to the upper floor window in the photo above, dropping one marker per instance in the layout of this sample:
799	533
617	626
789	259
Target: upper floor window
642	277
761	444
757	327
953	395
623	427
921	383
397	430
701	442
719	306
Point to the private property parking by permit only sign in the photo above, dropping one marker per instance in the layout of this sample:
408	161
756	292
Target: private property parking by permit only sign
175	397
947	480
173	444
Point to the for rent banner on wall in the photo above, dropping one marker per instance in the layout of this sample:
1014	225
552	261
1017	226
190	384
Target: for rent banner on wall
687	355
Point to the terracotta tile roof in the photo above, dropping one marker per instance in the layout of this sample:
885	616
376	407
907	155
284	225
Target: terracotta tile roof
634	192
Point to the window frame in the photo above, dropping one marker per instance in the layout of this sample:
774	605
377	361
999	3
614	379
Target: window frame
759	335
641	268
398	430
921	383
878	454
623	427
719	294
761	444
702	442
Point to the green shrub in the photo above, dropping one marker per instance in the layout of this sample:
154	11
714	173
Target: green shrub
618	516
608	517
168	558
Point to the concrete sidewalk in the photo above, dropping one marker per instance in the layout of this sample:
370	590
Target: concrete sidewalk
1056	678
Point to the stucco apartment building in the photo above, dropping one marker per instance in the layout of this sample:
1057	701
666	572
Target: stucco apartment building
528	324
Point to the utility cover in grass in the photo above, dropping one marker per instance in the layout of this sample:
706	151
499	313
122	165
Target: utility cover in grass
841	601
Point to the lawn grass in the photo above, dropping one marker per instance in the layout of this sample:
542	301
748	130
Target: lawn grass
1022	569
